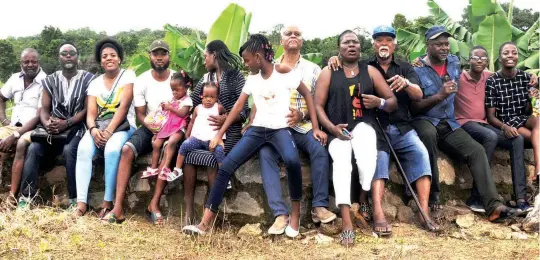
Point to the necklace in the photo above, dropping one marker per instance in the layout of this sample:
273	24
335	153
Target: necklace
351	70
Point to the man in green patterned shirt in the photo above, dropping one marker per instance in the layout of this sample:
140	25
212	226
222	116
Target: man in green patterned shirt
298	119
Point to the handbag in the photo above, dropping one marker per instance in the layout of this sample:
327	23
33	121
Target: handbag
40	135
102	123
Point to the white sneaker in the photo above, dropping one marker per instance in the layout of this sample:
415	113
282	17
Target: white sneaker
280	223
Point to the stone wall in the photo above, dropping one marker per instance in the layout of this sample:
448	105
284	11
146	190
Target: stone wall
246	202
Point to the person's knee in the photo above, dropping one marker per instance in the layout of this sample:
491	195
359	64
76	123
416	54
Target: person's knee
20	149
518	142
491	138
156	145
127	152
109	152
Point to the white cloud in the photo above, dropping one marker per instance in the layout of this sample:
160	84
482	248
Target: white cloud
316	18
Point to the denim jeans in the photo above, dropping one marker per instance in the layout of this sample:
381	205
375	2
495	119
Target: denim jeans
459	144
318	157
412	154
491	137
85	153
252	141
36	152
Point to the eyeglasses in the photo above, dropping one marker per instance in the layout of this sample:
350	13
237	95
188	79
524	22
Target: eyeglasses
65	53
476	58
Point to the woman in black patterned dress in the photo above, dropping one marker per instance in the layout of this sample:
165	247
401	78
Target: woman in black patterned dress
223	68
508	100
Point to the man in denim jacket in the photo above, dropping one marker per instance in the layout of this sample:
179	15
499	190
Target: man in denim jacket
437	126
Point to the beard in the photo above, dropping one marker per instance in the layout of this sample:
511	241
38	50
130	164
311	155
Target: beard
69	66
384	52
160	68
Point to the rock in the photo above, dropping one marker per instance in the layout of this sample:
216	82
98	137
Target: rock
465	221
515	228
95	200
519	236
332	228
390	211
456	235
200	195
132	200
447	172
56	175
322	239
532	221
405	214
249	173
529	169
501	174
392	199
395	176
529	156
137	184
501	157
497	234
244	204
250	230
163	202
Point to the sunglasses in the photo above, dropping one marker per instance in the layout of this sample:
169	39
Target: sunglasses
65	53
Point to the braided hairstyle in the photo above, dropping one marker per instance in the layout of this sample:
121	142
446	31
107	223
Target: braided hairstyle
183	78
258	43
224	57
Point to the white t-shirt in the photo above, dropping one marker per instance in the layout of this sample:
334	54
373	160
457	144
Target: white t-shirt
150	92
97	89
271	96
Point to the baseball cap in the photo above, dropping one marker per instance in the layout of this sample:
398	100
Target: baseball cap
159	44
383	30
436	31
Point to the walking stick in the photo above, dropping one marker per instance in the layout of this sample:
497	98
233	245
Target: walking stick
400	169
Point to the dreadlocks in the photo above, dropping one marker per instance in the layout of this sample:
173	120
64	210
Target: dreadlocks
225	58
258	43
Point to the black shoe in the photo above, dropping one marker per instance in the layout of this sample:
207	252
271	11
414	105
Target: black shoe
475	205
524	206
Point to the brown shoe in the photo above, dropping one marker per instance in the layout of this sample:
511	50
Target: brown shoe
323	215
280	223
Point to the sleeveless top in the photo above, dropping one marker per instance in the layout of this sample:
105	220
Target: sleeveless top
201	127
344	104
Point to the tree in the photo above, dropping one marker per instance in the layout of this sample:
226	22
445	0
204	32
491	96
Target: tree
401	22
8	60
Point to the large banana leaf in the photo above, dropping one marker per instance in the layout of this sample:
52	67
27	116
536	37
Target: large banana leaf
458	31
484	7
140	63
313	57
474	21
492	33
533	62
414	43
231	27
524	41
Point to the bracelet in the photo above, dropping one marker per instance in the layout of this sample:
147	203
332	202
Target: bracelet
90	129
383	103
108	132
303	115
3	121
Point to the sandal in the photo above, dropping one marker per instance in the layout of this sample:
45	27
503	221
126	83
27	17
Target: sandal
111	218
149	173
346	238
154	217
435	207
175	174
78	212
164	174
507	213
366	211
386	231
193	230
103	212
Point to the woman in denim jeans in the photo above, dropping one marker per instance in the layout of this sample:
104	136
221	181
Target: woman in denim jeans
270	87
109	97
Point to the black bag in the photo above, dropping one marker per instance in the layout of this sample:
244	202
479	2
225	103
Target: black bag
40	135
102	123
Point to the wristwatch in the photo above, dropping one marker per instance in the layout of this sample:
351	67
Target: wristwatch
383	102
16	135
69	123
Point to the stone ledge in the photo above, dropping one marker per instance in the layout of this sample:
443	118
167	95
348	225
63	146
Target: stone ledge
246	202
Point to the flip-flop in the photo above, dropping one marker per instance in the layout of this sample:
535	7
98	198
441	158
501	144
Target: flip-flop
154	217
508	213
103	212
112	219
193	230
149	173
346	238
365	208
382	233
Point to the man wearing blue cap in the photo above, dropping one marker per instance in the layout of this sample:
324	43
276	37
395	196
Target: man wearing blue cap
437	126
411	151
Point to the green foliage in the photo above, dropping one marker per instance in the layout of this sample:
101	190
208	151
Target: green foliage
8	60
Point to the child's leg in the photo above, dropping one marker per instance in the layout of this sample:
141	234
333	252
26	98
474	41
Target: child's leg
156	151
283	142
174	139
187	146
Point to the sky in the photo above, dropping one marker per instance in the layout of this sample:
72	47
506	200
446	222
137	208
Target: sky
315	18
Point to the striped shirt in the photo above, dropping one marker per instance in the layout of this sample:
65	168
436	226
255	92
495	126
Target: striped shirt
67	96
309	72
230	88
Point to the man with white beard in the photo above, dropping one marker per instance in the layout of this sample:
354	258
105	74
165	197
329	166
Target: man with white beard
412	153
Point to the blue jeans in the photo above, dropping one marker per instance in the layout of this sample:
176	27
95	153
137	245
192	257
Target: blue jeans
85	153
318	157
36	152
412	154
490	137
252	141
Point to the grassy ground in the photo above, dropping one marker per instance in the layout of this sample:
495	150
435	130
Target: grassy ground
47	233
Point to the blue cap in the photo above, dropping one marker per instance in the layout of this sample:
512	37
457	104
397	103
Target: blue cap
383	30
436	31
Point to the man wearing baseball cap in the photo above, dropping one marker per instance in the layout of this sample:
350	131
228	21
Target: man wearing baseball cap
150	89
437	126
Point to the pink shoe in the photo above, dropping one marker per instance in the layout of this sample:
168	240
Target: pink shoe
149	173
164	174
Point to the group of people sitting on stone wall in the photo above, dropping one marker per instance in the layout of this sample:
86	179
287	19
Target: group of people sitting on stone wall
366	109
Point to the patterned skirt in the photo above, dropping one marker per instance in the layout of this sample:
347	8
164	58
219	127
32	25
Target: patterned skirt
206	158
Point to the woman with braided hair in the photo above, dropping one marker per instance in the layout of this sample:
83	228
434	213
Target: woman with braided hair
270	87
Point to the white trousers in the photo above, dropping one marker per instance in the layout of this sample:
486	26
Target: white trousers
364	145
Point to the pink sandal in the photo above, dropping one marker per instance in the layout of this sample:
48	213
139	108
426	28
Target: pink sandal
149	173
164	173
